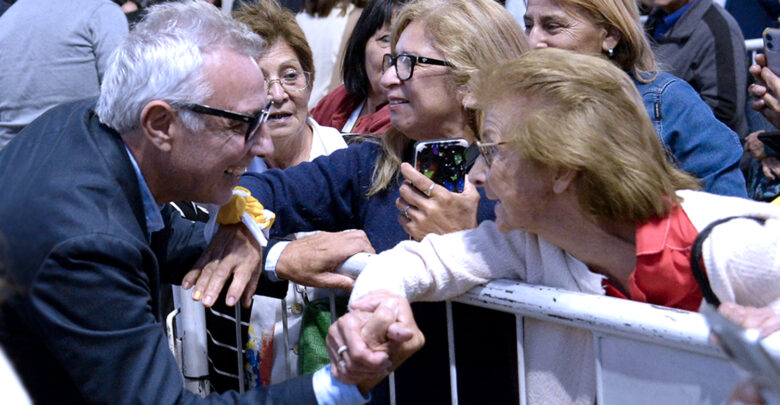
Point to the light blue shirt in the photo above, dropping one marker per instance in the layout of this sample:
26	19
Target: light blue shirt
327	389
154	220
330	391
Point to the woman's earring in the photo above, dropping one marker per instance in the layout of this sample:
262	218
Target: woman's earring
611	52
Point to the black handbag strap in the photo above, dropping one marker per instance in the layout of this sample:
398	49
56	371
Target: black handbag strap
697	266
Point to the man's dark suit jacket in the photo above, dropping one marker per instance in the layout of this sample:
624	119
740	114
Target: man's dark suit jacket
85	326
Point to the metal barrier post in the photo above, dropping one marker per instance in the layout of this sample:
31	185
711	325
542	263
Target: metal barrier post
451	349
191	325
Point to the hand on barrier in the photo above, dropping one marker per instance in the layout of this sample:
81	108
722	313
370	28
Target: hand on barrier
232	251
436	211
368	343
312	260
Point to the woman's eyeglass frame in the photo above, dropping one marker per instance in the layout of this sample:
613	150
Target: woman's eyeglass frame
254	121
287	86
488	151
391	60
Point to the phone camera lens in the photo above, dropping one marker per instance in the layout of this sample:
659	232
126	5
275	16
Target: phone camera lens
769	45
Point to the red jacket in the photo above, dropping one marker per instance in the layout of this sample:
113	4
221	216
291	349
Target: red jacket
335	108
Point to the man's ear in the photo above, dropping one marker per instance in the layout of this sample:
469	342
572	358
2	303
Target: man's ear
563	179
157	119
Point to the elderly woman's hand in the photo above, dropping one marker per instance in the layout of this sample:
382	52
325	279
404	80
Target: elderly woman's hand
763	319
765	90
430	208
372	340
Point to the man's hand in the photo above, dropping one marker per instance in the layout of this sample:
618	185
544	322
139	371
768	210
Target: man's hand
232	251
374	339
765	90
310	261
440	211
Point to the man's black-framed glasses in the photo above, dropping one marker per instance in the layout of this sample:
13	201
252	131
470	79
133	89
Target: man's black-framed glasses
252	122
404	64
488	150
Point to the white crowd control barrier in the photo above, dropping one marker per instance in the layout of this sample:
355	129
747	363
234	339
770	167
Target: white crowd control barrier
645	354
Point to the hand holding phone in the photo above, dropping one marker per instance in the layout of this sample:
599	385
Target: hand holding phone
443	161
772	49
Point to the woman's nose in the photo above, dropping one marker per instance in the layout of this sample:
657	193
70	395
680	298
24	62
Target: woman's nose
478	172
389	78
276	91
536	38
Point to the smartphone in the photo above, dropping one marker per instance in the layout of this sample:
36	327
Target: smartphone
772	49
745	347
770	139
443	161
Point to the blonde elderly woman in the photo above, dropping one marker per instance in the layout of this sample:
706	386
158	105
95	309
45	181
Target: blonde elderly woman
587	201
699	143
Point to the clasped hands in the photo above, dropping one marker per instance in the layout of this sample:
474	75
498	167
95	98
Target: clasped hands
372	340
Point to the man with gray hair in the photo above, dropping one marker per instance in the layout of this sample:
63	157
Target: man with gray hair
85	186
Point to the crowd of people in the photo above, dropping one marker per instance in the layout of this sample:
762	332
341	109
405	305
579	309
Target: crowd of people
601	148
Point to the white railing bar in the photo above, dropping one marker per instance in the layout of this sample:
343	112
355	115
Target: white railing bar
451	351
228	317
755	44
218	343
608	315
599	370
239	348
286	337
521	360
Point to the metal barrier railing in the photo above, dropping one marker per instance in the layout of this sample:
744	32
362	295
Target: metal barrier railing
671	357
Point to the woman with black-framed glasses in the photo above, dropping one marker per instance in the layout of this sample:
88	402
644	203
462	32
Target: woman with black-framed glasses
368	186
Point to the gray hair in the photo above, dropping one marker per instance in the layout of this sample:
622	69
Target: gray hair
163	58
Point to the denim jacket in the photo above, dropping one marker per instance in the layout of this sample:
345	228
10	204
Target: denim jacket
699	143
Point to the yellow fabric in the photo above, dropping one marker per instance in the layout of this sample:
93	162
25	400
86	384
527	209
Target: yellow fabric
776	201
231	212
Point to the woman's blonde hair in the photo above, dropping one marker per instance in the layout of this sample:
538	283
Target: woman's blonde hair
582	113
633	52
470	34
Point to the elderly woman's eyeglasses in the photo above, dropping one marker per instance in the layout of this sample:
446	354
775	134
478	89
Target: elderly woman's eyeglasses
292	80
488	150
252	122
404	64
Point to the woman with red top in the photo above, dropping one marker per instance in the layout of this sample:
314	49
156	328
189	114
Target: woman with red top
587	201
360	104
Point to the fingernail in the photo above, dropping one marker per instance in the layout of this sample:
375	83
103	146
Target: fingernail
186	285
231	301
208	300
196	295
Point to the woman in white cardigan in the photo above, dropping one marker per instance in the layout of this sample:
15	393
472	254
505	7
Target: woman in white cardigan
589	202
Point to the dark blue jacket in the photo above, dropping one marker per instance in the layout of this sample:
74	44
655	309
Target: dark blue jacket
699	143
85	325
